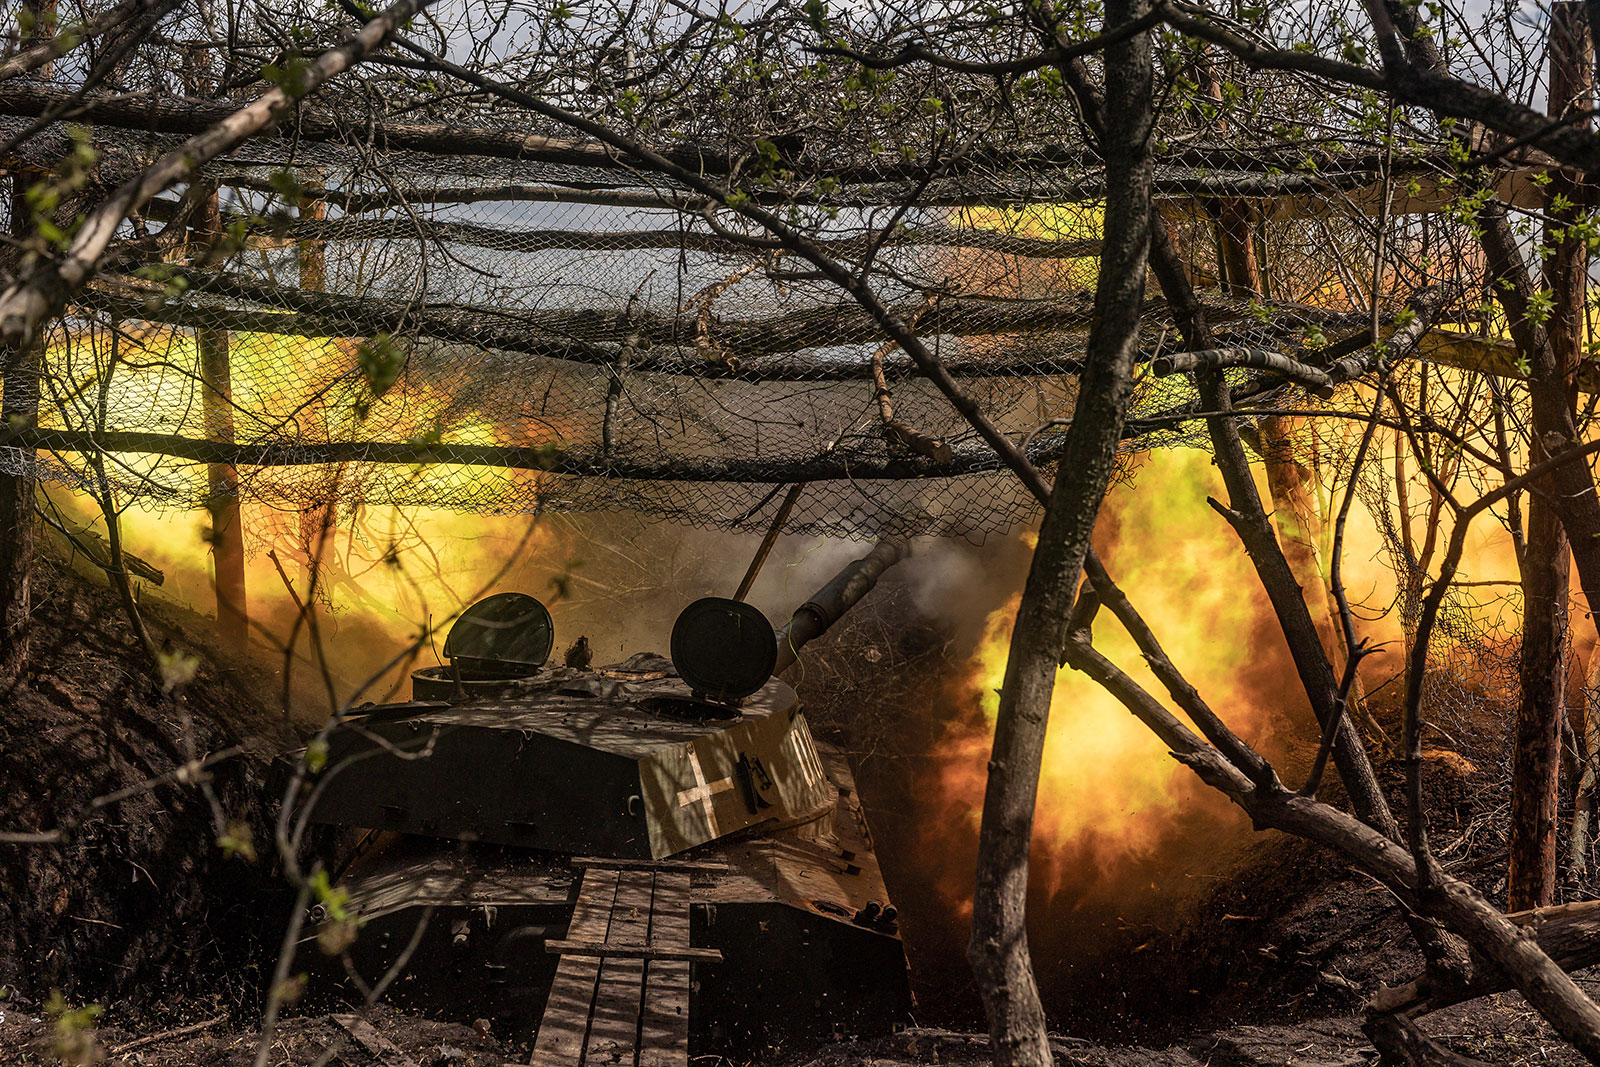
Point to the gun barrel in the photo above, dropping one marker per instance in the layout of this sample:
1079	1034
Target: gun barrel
813	618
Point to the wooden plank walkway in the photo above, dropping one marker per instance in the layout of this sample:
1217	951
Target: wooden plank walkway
621	991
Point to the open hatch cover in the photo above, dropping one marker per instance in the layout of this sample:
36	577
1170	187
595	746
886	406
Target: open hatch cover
509	634
724	649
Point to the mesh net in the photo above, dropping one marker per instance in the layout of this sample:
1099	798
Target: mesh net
557	337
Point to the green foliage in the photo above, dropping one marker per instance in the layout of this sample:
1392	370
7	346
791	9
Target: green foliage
381	361
45	197
285	184
172	281
1540	306
334	899
338	931
72	1031
291	77
238	840
767	157
177	668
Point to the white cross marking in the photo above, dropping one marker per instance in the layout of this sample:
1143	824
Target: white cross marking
703	791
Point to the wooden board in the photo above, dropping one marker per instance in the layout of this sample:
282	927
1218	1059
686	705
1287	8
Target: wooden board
664	1024
652	951
648	865
621	994
614	1032
591	915
565	1023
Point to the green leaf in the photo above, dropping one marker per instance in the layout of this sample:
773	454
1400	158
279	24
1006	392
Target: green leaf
381	362
238	840
177	668
72	1031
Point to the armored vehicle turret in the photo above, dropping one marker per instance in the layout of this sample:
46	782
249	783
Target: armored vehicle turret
623	864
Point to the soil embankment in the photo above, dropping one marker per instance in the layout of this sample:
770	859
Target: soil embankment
136	904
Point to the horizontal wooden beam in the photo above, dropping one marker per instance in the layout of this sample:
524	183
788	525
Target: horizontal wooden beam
611	863
1426	193
634	952
531	241
728	347
1210	171
828	465
1487	356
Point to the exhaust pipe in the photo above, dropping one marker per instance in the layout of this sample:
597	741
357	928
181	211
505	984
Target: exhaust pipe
813	618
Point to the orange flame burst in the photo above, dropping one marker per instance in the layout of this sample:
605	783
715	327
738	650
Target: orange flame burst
1110	797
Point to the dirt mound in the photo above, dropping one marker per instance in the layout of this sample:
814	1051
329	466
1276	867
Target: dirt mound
136	903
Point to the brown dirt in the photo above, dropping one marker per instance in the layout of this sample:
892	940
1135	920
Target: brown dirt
138	906
31	1040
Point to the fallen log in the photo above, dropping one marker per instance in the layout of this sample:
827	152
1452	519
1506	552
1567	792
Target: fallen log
1568	933
1402	1043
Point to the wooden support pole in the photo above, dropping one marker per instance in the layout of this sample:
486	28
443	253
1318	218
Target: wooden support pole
227	525
1236	234
769	540
311	253
316	522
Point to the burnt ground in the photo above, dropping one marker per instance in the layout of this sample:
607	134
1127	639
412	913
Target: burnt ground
141	911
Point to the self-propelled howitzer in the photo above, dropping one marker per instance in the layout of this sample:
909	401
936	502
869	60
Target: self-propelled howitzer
625	864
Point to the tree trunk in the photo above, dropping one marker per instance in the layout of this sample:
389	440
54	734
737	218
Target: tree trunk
19	408
1291	483
1588	769
1536	760
999	945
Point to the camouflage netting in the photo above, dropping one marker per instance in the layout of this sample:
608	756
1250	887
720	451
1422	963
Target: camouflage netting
571	338
551	323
